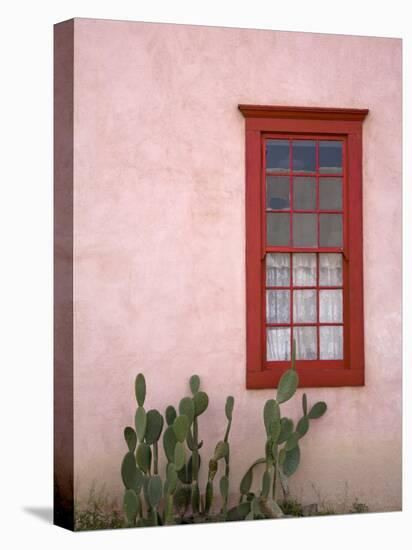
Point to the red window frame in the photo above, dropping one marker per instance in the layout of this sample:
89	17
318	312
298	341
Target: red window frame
263	122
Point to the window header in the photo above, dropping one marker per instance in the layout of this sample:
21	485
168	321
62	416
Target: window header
308	113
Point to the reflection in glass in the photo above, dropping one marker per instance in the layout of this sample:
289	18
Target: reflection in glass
304	230
330	157
278	344
330	193
330	306
330	269
304	193
277	155
304	306
278	306
330	229
278	229
304	269
277	193
306	342
331	342
278	269
304	156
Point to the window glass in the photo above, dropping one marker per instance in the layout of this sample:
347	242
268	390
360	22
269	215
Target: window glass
304	193
304	230
278	229
330	230
330	193
277	155
330	157
304	155
277	193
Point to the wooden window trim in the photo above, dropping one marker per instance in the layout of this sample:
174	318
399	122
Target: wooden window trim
333	122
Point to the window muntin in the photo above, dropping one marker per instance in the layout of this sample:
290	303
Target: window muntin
303	245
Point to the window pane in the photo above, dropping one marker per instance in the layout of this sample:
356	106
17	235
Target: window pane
277	155
278	344
278	269
278	229
330	306
304	230
277	193
304	269
304	193
330	157
306	342
304	156
330	190
331	342
330	269
304	306
330	226
278	306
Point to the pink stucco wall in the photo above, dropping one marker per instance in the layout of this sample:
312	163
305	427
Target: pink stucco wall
159	241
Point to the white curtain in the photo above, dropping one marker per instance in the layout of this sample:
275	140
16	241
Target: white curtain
278	344
306	343
304	269
331	342
330	269
304	305
278	269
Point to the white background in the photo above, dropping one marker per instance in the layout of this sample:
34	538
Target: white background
26	231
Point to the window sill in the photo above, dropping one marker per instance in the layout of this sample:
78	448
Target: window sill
317	377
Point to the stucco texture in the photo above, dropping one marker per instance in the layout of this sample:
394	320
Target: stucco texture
159	243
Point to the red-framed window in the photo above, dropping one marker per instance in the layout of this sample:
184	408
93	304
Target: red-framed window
304	245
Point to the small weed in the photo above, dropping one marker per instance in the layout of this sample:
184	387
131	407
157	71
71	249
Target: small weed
359	508
98	512
291	508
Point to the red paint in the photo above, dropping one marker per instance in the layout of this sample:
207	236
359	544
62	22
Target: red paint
316	124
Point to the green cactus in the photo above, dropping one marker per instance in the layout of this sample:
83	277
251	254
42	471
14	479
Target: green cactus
154	490
140	423
131	506
201	401
194	384
181	427
180	490
302	426
230	401
195	498
304	404
247	479
208	496
169	443
130	438
238	513
187	408
224	492
221	450
291	461
144	457
288	384
154	426
286	429
170	415
179	456
317	410
140	389
131	476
